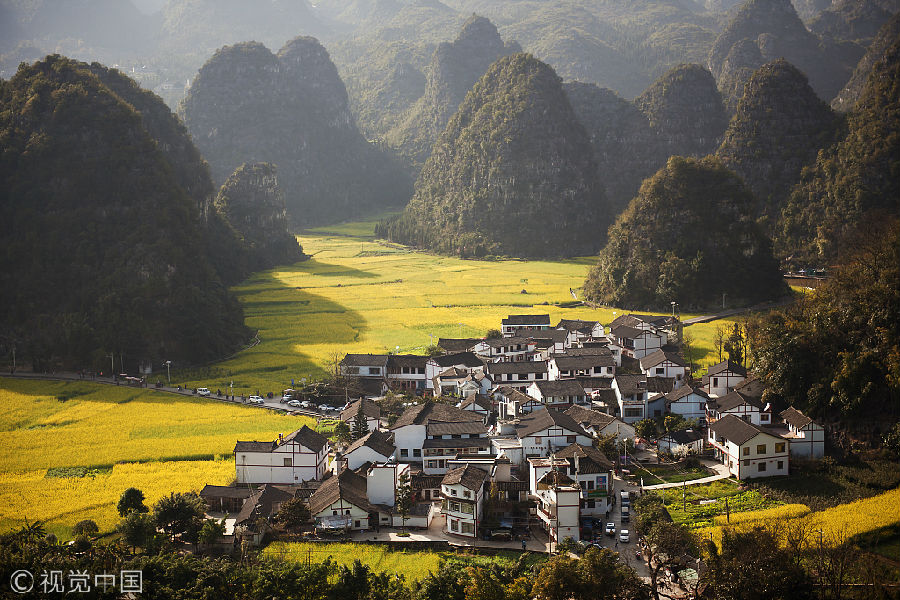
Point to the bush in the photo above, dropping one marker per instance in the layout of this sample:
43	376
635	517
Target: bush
86	527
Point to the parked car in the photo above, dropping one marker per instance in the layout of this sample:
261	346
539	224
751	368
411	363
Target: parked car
257	400
306	404
324	407
294	403
626	514
626	498
611	529
203	391
623	536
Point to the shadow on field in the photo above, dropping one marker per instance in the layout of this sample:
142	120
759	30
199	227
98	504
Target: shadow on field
315	267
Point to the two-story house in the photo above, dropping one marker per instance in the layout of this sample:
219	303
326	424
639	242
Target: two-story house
581	331
445	440
557	498
513	323
735	403
689	401
369	408
558	395
300	456
576	364
601	424
506	349
407	373
375	447
592	471
633	396
466	362
806	436
664	364
748	450
723	377
462	500
364	365
518	375
544	431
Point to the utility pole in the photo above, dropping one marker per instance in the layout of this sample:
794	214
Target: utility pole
168	364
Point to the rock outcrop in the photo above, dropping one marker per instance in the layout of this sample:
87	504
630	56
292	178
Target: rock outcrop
512	174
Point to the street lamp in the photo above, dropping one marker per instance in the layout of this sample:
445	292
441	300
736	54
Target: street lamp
168	364
673	303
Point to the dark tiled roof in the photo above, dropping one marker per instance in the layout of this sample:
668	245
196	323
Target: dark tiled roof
582	451
369	408
307	438
263	501
454	427
556	335
795	418
254	446
421	414
477	400
467	359
752	386
734	399
420	481
453	373
560	387
736	430
587	351
365	360
407	360
366	386
519	366
660	356
726	365
607	397
623	331
631	384
225	491
506	341
635	320
457	344
685	390
556	478
660	385
480	442
347	486
685	436
575	324
469	477
589	361
544	419
527	320
380	442
593	418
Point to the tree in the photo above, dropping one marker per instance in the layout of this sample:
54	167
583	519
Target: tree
734	345
491	334
687	342
719	340
360	425
137	529
646	428
293	513
342	432
179	513
404	497
131	499
484	585
211	531
85	527
666	543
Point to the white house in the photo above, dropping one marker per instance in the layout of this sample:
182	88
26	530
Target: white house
807	437
376	447
480	405
737	404
567	366
370	409
559	395
447	440
664	364
544	431
547	341
513	323
638	343
301	456
462	499
341	502
518	375
506	349
407	373
721	378
681	442
689	401
581	331
411	433
558	499
600	424
511	402
592	471
632	395
364	365
748	450
464	361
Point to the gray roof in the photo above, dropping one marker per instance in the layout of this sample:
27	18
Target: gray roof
380	442
587	351
726	365
365	360
479	442
660	385
556	335
586	361
455	427
560	387
477	400
593	418
347	486
225	491
795	418
307	438
407	360
254	446
421	414
545	418
736	430
369	408
734	399
635	320
631	384
519	366
623	331
506	341
588	452
457	344
685	390
467	359
575	324
660	356
468	476
262	502
527	320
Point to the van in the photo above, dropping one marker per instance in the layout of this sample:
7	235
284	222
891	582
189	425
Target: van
626	514
626	497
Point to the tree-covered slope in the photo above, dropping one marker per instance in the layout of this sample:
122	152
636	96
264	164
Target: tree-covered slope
248	105
779	126
853	179
513	173
687	237
887	35
103	249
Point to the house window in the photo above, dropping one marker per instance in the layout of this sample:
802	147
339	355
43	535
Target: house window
334	513
468	528
780	465
660	370
356	523
352	370
417	452
454	525
452	492
746	450
523	376
715	382
421	370
454	506
374	370
539	376
570	439
404	453
746	463
760	448
431	464
762	467
779	447
467	494
455	436
468	509
347	512
287	462
590	484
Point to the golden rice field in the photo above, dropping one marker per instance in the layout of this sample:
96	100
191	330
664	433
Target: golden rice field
359	294
840	522
410	564
136	437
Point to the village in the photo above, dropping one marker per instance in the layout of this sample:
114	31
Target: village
526	440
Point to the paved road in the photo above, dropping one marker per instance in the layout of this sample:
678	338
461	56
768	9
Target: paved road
737	311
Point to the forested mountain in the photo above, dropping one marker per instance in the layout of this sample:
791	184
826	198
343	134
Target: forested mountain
454	69
887	35
104	246
857	20
513	173
853	180
687	237
685	111
249	105
774	27
779	127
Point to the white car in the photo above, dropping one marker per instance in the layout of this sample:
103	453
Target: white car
306	404
294	403
324	407
203	391
257	400
623	536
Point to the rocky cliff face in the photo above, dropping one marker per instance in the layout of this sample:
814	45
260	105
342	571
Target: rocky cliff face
779	126
778	32
743	59
625	146
104	244
248	105
848	96
512	174
685	111
686	237
455	67
251	202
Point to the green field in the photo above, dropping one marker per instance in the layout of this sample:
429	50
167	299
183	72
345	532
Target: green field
70	449
359	294
694	514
